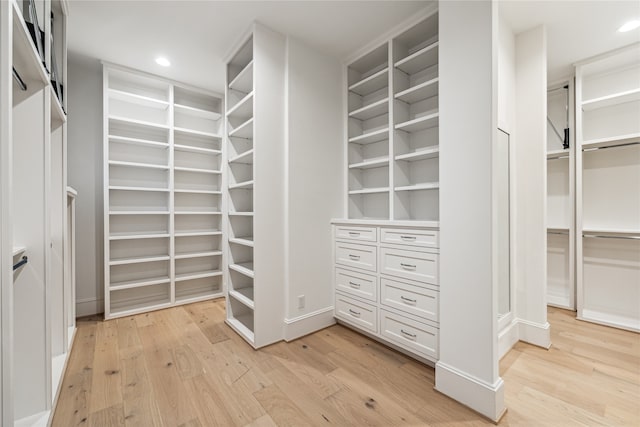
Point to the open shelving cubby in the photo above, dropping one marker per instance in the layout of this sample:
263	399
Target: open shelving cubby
253	173
608	188
163	148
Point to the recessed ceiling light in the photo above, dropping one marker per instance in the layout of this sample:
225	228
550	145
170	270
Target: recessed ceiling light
631	25
161	60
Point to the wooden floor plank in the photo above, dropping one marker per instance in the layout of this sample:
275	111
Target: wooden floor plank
106	384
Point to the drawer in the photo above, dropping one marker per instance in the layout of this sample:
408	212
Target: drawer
358	256
410	264
357	313
364	234
414	336
358	284
413	299
423	238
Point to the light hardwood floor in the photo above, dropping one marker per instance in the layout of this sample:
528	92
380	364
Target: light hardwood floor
183	367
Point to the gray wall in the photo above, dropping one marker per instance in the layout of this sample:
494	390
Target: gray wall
84	153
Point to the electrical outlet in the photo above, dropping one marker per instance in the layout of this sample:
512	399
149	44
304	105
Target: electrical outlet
300	301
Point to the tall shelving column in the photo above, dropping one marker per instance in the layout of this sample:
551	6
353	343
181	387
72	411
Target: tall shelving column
368	90
608	188
415	122
255	187
197	195
162	150
560	198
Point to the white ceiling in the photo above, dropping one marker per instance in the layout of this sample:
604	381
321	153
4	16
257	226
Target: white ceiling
196	35
576	29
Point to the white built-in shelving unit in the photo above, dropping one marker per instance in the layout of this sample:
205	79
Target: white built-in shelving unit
163	202
608	188
392	128
38	303
254	112
560	197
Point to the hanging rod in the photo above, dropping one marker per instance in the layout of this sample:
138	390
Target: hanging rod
20	263
566	233
560	156
626	144
18	79
604	236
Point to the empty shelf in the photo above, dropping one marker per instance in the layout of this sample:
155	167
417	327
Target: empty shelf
245	184
245	130
17	250
245	241
418	61
140	123
134	98
187	255
420	154
246	157
419	92
138	141
198	213
243	295
240	213
370	190
139	283
132	236
197	191
128	188
58	116
374	109
138	260
423	186
370	163
197	112
137	165
245	268
200	275
238	323
139	212
192	149
611	141
195	233
421	123
371	137
196	170
610	100
197	132
244	107
372	83
243	82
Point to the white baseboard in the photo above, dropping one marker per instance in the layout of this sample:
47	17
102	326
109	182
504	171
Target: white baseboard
507	338
89	306
610	319
535	333
486	399
308	323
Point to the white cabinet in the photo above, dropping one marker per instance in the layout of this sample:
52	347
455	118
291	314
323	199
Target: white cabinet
163	191
391	128
608	188
389	288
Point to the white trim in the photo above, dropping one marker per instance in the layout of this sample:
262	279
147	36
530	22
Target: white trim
609	319
308	323
535	333
484	398
507	338
89	306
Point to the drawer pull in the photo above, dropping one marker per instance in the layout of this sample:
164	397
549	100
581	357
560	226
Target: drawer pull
354	285
408	237
408	266
354	313
354	233
403	298
408	334
354	257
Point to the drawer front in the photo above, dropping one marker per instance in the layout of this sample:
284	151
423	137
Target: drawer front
420	266
357	313
413	299
414	336
363	234
358	256
358	284
423	238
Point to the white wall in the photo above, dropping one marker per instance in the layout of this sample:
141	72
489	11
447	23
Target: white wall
531	186
314	184
468	297
84	143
